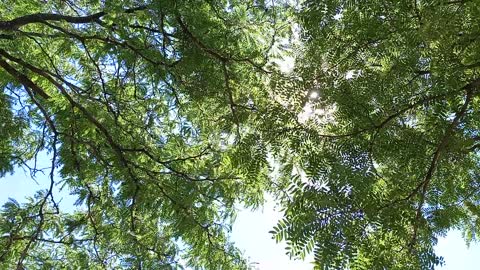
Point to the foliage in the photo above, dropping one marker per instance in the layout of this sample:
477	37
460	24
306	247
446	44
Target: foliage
390	152
160	116
140	105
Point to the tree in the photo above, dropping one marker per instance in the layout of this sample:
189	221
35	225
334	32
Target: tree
160	116
390	150
144	108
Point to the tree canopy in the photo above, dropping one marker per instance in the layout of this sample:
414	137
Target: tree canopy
162	116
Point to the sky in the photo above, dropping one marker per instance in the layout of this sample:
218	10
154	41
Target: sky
250	230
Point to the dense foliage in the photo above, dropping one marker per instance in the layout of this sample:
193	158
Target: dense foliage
161	116
390	151
139	104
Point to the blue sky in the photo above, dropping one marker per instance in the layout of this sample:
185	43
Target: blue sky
250	231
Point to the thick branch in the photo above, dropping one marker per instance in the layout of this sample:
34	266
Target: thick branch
21	78
45	17
433	164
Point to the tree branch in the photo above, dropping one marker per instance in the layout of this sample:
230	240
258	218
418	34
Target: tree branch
433	164
21	78
16	23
